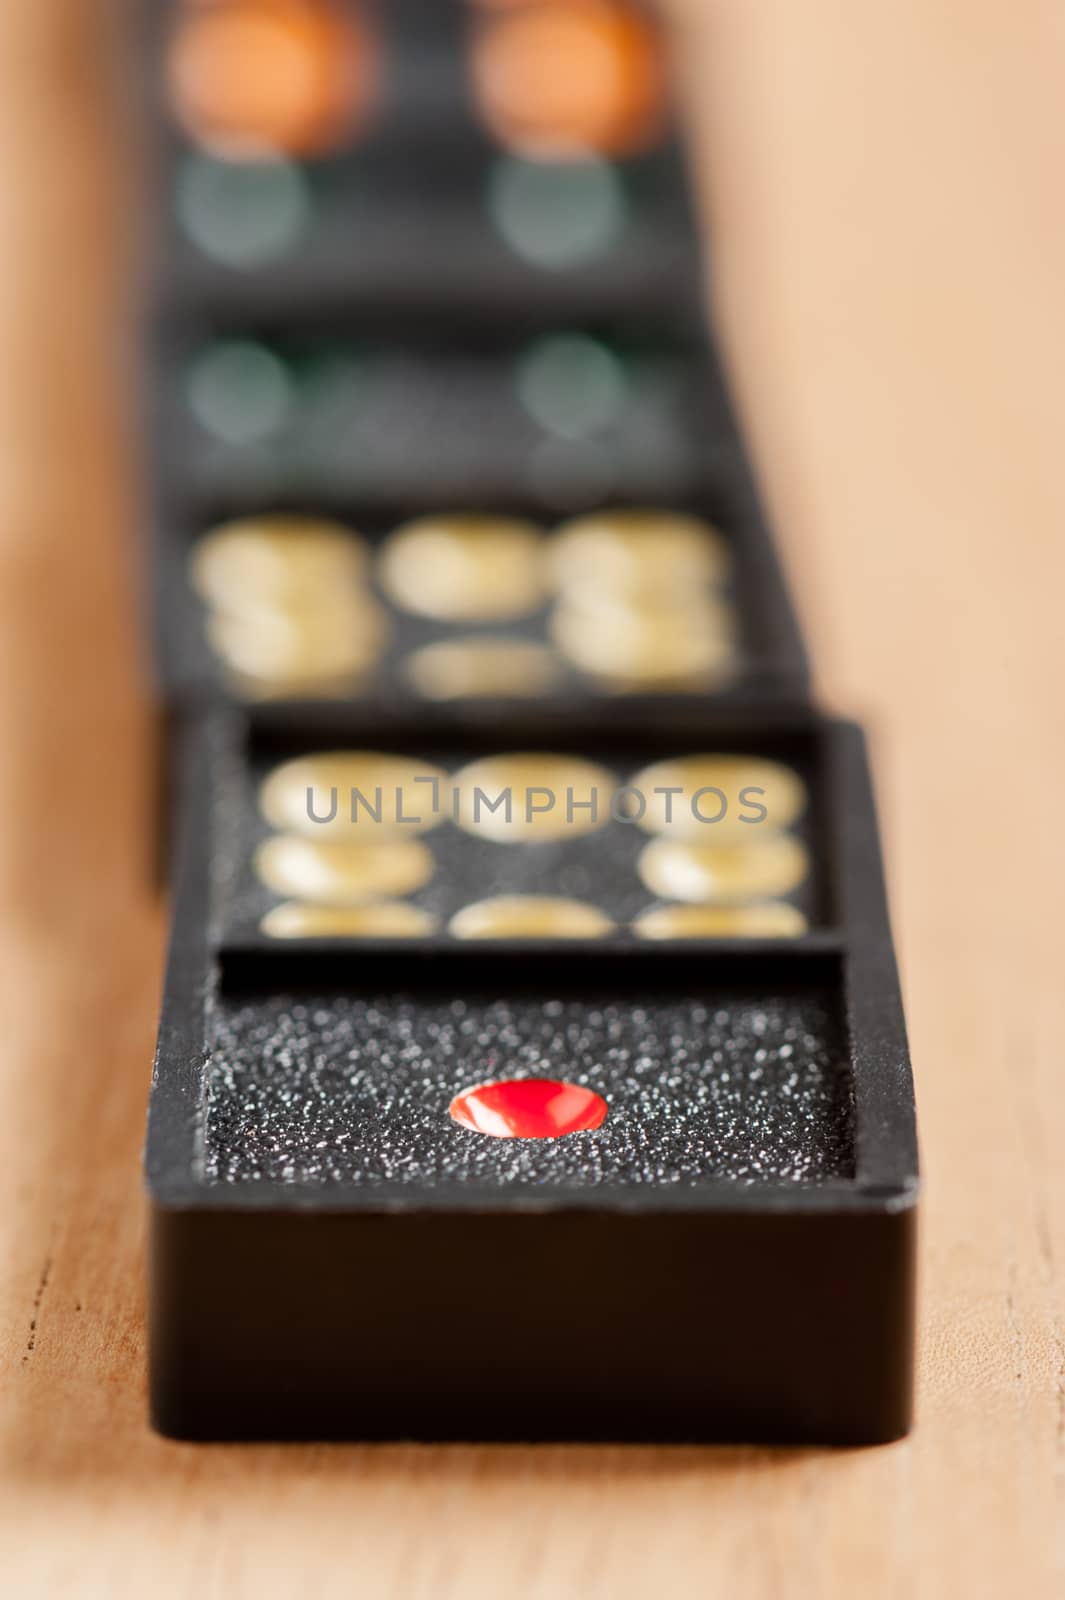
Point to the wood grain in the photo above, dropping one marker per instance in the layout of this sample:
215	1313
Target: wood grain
884	185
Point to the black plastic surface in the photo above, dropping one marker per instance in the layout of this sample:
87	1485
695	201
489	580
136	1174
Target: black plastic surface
327	1257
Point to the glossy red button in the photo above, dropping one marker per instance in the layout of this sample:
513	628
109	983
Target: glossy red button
528	1108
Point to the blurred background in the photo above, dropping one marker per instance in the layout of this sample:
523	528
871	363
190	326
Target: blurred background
881	189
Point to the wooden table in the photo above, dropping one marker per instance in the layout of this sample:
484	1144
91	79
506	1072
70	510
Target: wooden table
886	192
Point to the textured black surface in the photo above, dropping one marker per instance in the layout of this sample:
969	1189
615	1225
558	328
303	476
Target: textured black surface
344	1089
333	1258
